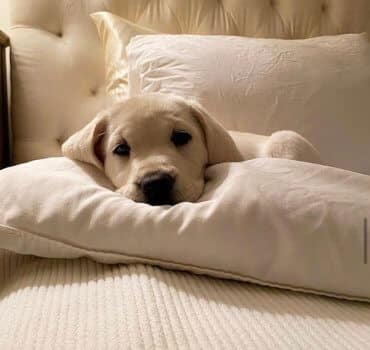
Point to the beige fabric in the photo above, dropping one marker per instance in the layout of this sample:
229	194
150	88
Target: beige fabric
296	225
58	86
318	87
58	61
115	34
80	304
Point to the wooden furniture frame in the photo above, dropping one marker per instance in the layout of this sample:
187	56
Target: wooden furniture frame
4	107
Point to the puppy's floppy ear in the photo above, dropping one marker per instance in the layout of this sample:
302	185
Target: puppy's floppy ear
221	147
84	144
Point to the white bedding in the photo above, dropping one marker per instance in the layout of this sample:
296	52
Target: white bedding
270	221
80	304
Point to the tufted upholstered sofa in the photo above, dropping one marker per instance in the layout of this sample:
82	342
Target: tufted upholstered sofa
54	44
57	76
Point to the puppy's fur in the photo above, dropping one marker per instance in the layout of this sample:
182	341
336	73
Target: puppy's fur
155	148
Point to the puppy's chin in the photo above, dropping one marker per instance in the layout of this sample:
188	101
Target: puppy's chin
131	191
189	192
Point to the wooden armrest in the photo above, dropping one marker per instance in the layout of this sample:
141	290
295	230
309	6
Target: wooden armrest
4	39
4	110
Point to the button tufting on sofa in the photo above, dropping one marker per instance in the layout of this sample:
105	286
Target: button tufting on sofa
81	59
60	141
94	91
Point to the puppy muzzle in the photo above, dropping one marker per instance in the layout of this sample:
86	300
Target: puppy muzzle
157	188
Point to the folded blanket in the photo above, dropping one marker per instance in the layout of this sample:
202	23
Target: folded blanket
270	221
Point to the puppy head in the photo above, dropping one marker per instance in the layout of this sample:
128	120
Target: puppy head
154	148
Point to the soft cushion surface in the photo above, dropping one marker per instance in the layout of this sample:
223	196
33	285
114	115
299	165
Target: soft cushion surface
115	34
275	222
318	87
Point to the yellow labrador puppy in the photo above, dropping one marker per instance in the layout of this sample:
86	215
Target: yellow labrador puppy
155	148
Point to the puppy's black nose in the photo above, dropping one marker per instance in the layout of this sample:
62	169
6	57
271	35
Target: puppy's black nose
157	188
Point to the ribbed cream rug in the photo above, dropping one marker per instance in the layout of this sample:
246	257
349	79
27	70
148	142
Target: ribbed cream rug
79	304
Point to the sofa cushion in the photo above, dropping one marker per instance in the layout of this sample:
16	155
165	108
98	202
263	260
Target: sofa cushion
318	87
274	222
115	34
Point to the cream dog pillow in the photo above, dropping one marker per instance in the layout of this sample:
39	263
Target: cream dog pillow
270	221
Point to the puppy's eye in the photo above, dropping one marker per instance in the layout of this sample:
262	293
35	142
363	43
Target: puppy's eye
122	149
180	138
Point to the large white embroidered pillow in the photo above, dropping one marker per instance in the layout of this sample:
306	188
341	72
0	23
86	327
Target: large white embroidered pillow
319	87
269	221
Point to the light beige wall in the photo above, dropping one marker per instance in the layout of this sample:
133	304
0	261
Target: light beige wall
4	14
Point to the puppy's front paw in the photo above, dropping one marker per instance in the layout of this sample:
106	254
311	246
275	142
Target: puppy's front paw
290	145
